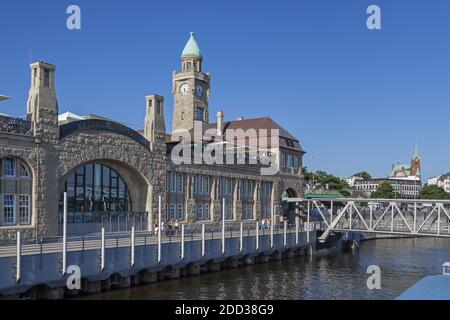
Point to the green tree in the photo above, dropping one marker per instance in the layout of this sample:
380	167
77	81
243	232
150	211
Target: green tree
363	174
306	174
384	191
330	182
434	193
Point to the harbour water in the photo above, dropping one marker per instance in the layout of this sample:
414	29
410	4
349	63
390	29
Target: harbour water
342	275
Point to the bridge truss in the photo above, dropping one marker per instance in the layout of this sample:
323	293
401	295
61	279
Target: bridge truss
379	216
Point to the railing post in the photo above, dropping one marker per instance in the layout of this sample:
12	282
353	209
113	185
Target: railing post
159	227
415	217
133	239
272	225
285	233
392	216
64	257
257	236
241	238
331	213
307	217
182	241
102	252
203	240
297	222
440	205
18	256
223	226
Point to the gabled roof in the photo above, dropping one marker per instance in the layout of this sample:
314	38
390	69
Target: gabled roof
401	167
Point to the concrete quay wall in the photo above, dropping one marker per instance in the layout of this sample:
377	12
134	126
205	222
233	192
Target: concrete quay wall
42	276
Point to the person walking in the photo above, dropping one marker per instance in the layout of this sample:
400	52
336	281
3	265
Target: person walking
156	228
177	227
281	220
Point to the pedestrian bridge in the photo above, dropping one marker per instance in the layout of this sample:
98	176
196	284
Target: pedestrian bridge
378	216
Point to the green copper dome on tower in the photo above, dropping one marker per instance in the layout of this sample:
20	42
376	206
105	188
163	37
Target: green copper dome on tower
191	49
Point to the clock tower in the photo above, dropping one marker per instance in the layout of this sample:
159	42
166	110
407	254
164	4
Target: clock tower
190	89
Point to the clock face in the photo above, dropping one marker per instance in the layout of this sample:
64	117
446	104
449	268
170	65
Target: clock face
184	89
199	90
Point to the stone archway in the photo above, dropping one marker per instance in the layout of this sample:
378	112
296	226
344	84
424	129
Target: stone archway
288	208
130	189
123	150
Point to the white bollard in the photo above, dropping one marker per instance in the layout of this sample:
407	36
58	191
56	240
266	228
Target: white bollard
297	222
182	241
308	230
133	239
159	227
18	257
223	226
64	257
257	236
241	238
203	240
102	258
272	223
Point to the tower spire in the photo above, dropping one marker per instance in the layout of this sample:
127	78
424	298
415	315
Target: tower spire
416	153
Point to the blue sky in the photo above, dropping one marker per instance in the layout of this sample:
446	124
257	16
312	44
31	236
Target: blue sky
357	99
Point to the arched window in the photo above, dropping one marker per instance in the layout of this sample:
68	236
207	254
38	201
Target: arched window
15	192
95	187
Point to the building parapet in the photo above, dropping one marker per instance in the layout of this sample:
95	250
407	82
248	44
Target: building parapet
16	126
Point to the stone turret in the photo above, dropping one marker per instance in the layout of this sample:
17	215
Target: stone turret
155	129
42	106
42	110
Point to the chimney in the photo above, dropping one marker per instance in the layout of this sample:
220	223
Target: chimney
219	123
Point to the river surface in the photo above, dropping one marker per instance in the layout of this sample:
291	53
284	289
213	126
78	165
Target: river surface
403	262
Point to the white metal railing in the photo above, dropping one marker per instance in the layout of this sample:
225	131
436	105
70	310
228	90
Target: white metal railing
386	216
136	238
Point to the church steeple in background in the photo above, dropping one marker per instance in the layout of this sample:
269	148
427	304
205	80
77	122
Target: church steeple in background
415	163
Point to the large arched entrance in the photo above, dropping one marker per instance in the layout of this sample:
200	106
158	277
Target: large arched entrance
103	194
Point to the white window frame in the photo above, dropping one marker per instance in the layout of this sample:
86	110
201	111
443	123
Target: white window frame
206	211
206	184
13	168
219	186
180	212
22	167
180	183
28	207
173	182
13	206
173	211
200	211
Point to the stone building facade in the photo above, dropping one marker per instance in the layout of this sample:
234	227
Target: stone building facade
113	174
